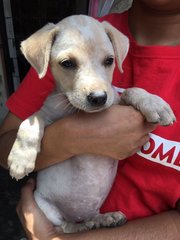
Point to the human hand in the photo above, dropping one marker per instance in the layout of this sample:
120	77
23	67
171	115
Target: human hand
35	223
117	132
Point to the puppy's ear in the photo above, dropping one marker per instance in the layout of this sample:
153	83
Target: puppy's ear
119	41
37	47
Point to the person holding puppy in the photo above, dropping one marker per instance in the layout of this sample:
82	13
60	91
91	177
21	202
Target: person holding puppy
146	186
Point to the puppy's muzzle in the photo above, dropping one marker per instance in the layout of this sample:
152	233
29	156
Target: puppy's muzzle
97	99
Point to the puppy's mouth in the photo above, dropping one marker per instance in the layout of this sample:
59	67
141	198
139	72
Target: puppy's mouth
90	103
86	107
93	110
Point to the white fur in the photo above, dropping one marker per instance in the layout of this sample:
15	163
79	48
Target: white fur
75	189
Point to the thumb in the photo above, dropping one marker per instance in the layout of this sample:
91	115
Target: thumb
27	191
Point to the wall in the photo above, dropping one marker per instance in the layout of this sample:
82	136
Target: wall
3	93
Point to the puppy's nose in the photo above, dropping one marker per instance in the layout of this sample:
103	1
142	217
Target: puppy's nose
97	99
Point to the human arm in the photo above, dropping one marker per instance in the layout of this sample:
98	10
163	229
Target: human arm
118	132
163	226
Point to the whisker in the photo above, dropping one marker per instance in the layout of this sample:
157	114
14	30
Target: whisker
73	109
58	94
61	103
67	106
78	110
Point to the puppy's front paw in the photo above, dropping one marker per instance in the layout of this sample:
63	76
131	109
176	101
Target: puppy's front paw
21	160
156	110
22	157
153	108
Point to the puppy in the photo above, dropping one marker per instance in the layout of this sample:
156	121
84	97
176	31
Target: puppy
81	53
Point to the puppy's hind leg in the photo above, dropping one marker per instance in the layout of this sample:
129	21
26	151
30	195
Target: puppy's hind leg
49	209
54	216
111	219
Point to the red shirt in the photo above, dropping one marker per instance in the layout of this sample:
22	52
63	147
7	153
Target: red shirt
148	182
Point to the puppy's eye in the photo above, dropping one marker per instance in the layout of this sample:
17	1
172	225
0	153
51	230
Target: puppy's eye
68	64
108	61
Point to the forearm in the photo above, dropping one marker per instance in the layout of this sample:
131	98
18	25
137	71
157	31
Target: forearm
61	140
73	135
52	148
6	142
57	144
164	226
67	137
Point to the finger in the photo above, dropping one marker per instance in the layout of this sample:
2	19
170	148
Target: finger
149	127
26	195
142	142
27	191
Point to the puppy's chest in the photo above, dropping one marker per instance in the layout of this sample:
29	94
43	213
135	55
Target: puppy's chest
56	107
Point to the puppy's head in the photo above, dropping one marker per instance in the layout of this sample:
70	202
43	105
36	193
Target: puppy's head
81	53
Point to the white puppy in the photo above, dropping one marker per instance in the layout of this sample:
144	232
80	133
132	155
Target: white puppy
81	53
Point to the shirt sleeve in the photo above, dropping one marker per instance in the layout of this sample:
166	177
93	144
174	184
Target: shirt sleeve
31	94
